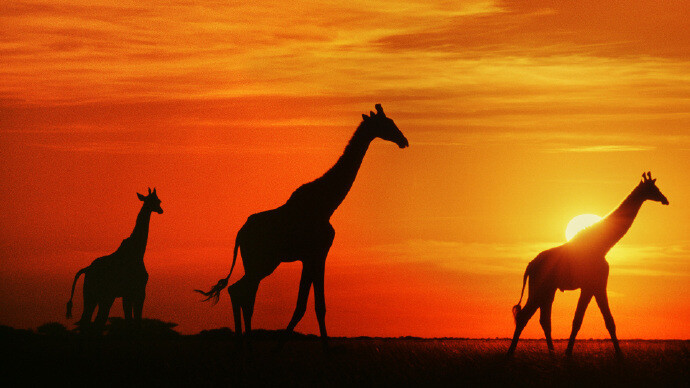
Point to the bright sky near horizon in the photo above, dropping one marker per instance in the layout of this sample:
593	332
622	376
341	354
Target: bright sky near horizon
520	115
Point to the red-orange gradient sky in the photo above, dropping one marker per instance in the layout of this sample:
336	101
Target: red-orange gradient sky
520	116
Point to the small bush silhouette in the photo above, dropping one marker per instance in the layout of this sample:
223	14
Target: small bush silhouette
217	334
154	328
53	329
7	332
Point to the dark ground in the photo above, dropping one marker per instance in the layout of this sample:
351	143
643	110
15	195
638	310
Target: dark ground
56	357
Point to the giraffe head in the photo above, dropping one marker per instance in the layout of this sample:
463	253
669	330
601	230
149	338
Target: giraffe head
648	190
151	201
381	126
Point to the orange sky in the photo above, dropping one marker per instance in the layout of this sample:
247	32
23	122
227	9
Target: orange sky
520	116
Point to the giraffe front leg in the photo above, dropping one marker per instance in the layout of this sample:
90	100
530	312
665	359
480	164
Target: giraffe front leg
603	302
127	308
103	311
582	303
138	307
320	302
302	297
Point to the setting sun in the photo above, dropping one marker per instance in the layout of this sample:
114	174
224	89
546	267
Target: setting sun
578	223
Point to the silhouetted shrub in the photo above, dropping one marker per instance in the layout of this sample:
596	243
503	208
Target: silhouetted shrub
220	333
153	328
53	329
263	334
8	332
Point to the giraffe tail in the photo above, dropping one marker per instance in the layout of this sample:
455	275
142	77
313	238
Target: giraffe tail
214	293
517	308
69	303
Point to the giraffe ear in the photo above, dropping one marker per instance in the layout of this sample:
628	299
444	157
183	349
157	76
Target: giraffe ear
365	117
141	197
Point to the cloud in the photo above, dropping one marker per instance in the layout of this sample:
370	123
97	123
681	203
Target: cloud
605	148
75	52
548	28
478	258
479	72
651	260
154	148
499	258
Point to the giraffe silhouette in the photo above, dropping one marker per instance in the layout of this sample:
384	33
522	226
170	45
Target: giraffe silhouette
120	274
300	230
580	263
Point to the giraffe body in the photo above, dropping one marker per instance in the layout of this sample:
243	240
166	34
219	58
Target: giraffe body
565	269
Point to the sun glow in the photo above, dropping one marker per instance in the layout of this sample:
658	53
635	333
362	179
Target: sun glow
578	223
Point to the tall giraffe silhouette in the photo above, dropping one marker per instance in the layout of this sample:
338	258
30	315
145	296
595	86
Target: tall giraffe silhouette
120	274
300	230
581	263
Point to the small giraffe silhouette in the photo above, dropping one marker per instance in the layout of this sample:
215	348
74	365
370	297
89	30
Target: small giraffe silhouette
120	274
300	230
580	263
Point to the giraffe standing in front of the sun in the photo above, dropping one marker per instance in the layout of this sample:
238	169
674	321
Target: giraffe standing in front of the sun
581	263
300	230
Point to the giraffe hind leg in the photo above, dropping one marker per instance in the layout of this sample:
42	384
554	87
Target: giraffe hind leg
235	292
545	321
90	303
545	318
521	321
87	314
247	305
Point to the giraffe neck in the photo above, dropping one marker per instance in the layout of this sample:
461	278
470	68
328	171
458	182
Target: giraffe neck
323	196
140	234
343	173
615	225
